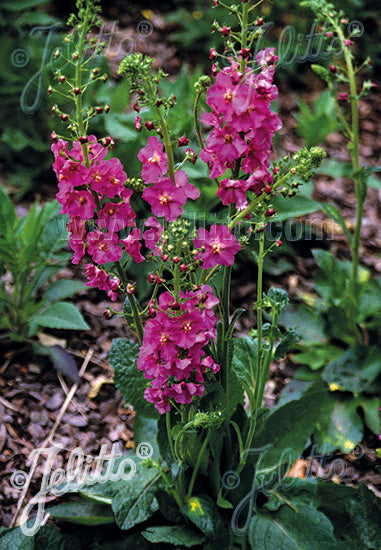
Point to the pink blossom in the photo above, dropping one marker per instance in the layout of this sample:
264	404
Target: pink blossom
172	355
216	167
133	245
220	246
103	247
152	235
100	279
184	392
79	204
165	199
226	144
181	180
116	216
154	160
233	191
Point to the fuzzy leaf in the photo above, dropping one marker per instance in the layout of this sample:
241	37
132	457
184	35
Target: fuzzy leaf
128	379
83	512
203	513
176	535
136	501
340	429
306	528
61	315
63	289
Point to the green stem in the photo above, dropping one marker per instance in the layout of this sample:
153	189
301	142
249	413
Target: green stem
78	84
245	15
196	121
168	484
259	375
197	465
137	318
170	439
240	215
360	195
341	116
167	142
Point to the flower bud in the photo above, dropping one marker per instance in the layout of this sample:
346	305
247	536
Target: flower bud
183	141
53	137
244	52
212	54
158	280
99	110
151	278
348	43
50	90
137	124
164	257
61	78
130	289
174	305
343	96
83	139
107	108
136	107
333	68
149	125
267	189
152	312
107	314
64	117
269	212
183	268
225	31
259	21
175	259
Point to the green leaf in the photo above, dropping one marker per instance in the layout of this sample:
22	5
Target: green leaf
145	431
136	501
370	406
128	379
316	356
332	277
127	311
115	126
287	429
306	528
61	359
63	289
61	315
203	513
334	213
287	208
15	539
8	217
355	370
244	364
342	428
120	98
176	535
365	512
308	321
290	338
278	299
222	502
83	512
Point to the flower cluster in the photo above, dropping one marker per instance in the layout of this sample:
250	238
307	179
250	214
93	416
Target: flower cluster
243	127
173	354
166	197
95	192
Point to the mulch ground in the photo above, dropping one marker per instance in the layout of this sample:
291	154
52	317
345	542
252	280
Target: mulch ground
32	393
